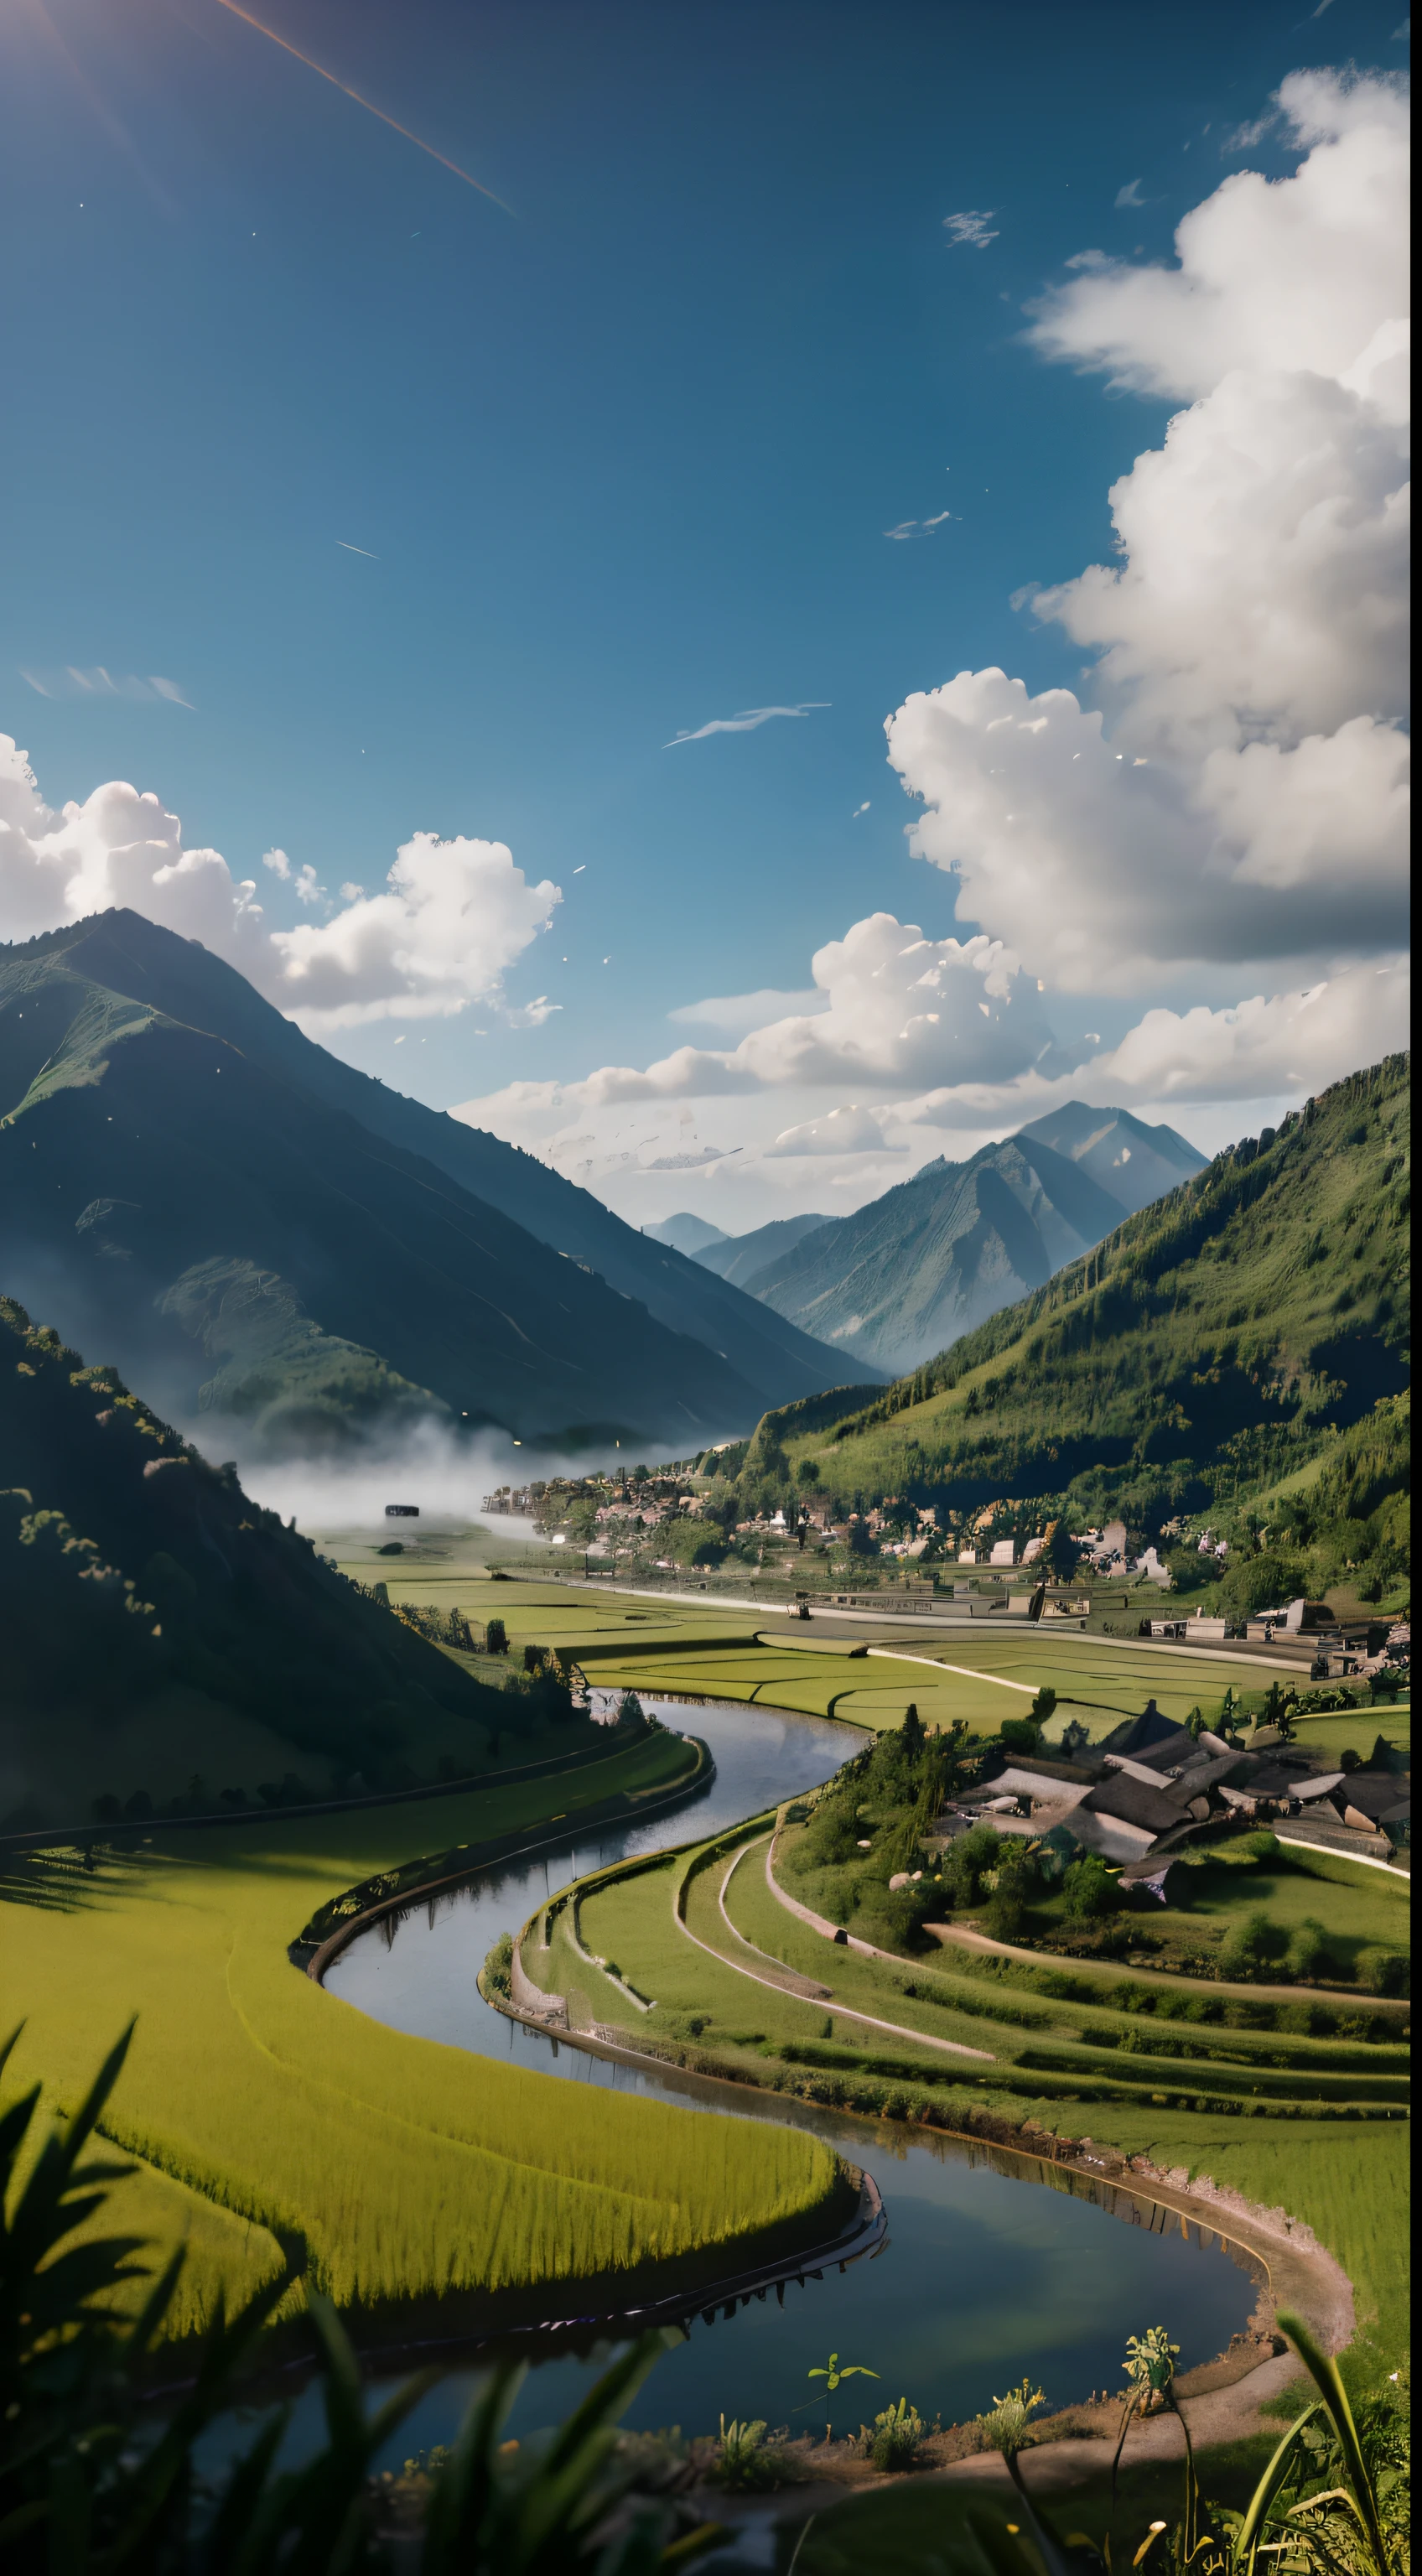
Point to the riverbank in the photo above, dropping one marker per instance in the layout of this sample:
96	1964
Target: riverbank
713	1938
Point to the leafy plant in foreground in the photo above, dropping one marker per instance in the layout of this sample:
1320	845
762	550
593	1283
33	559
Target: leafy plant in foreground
90	2487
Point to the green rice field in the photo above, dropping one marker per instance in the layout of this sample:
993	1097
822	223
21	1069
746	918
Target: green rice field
257	2103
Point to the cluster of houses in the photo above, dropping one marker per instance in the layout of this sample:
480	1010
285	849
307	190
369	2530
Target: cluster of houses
1151	1787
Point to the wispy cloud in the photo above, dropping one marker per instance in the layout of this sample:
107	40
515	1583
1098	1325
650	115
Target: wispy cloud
745	722
99	683
970	226
358	550
1130	195
917	527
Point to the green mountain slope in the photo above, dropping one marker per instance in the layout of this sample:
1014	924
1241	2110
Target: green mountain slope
904	1276
1216	1342
155	1623
187	1204
755	1359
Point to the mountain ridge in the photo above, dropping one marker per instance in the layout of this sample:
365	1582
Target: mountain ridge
1218	1340
166	1184
765	1351
900	1278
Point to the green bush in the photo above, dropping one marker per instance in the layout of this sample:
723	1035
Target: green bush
895	2438
1089	1890
1384	1972
1307	1955
1250	1948
496	1638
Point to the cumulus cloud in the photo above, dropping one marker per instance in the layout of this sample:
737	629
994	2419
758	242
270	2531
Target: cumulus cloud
1292	274
1240	794
452	918
1271	1046
896	1008
850	1130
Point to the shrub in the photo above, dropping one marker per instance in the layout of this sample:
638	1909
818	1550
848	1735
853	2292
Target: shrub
1250	1947
1020	1735
1005	2423
1384	1972
498	1967
745	2460
1089	1890
1307	1955
496	1638
895	2437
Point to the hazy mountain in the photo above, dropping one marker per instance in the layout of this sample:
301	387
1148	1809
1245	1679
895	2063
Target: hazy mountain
1251	1321
194	1189
686	1233
155	1622
905	1276
740	1258
1134	1162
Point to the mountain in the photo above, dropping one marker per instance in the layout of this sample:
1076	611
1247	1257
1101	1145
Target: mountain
1246	1333
685	1233
155	1623
903	1277
257	1229
1135	1163
740	1258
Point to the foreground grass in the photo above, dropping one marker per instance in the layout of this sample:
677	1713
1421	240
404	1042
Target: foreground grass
260	2105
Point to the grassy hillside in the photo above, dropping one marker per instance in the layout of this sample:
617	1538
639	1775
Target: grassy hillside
1213	1345
317	1232
161	1635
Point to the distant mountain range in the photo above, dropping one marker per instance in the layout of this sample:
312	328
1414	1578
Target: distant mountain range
1223	1338
196	1191
902	1278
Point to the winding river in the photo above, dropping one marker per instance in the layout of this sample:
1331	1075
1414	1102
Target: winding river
989	2271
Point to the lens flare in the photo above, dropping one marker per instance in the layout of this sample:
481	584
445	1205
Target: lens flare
347	92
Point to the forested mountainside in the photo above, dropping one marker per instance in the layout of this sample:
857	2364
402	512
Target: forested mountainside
1247	1334
155	1623
184	1190
903	1277
749	1356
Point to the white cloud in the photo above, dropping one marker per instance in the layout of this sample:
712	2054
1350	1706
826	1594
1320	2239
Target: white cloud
851	1130
453	917
1130	195
99	683
735	1013
745	722
1272	1046
1241	799
1288	274
916	527
970	226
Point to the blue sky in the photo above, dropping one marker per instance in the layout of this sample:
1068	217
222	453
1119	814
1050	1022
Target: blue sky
622	459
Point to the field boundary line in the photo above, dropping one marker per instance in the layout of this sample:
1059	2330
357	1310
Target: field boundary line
846	2012
897	1655
1359	1860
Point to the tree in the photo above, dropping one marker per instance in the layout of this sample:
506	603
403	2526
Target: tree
496	1638
911	1735
1089	1890
1059	1552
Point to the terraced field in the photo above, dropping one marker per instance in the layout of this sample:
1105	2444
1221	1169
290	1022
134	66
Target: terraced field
697	1955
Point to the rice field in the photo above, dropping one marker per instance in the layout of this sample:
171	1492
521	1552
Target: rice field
258	2104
